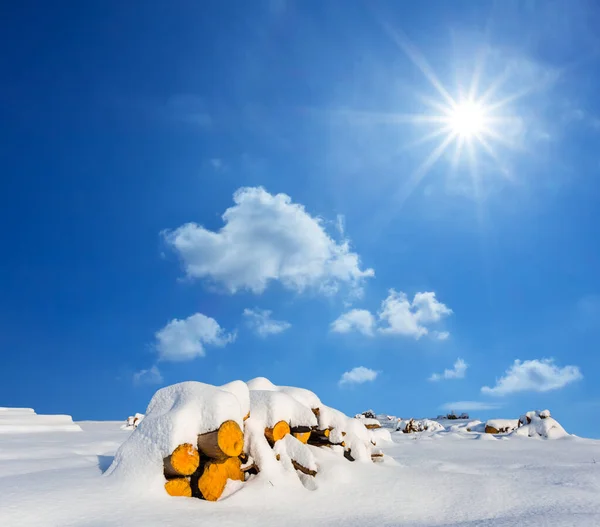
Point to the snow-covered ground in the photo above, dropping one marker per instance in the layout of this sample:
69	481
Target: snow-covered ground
54	478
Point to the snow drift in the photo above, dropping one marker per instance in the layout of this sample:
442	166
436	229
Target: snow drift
25	420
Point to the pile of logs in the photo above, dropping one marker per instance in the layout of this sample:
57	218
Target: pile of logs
202	470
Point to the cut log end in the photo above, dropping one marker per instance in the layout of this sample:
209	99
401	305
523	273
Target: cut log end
211	483
179	487
227	441
279	431
303	437
184	461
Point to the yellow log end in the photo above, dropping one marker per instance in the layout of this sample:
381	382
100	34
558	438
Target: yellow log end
231	439
212	482
179	487
327	432
279	431
303	437
185	459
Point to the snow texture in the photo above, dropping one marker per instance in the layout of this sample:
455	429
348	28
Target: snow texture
25	420
503	425
270	407
540	425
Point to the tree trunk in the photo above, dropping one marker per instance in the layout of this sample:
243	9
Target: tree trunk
227	441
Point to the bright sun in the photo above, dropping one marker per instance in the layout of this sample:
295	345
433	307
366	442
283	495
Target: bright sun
467	119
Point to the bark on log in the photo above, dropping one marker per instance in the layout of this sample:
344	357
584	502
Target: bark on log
348	455
279	431
179	487
247	416
490	430
211	483
300	429
251	469
303	469
243	457
184	461
227	441
316	411
372	427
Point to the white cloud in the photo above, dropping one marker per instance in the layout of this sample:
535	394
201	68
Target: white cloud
260	321
535	376
185	339
397	316
149	376
358	375
469	406
267	237
457	372
359	320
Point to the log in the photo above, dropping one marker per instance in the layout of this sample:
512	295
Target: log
348	455
300	429
490	430
211	483
251	469
243	457
179	487
324	434
316	411
227	441
303	469
247	416
303	437
372	427
279	431
184	461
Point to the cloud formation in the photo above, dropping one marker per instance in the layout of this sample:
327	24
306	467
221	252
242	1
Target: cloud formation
261	322
469	406
457	372
149	376
397	316
359	320
182	340
358	375
534	376
267	238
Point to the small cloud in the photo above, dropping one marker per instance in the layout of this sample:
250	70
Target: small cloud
359	320
186	339
397	316
457	372
534	376
469	406
217	164
261	322
149	376
358	375
340	224
267	238
440	335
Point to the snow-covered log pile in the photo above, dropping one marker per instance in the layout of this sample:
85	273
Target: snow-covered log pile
132	422
422	425
531	424
204	441
540	424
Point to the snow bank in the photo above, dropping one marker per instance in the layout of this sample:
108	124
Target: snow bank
270	407
25	420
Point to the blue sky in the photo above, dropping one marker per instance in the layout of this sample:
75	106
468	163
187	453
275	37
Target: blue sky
214	191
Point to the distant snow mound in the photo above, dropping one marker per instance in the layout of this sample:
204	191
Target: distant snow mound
132	422
539	424
25	420
421	425
205	441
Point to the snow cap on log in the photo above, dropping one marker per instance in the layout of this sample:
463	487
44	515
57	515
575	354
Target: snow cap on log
240	390
270	407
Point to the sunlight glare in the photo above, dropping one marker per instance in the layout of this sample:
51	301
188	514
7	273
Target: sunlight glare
467	119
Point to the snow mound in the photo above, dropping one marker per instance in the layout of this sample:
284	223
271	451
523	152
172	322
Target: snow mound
421	425
25	420
270	407
541	425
